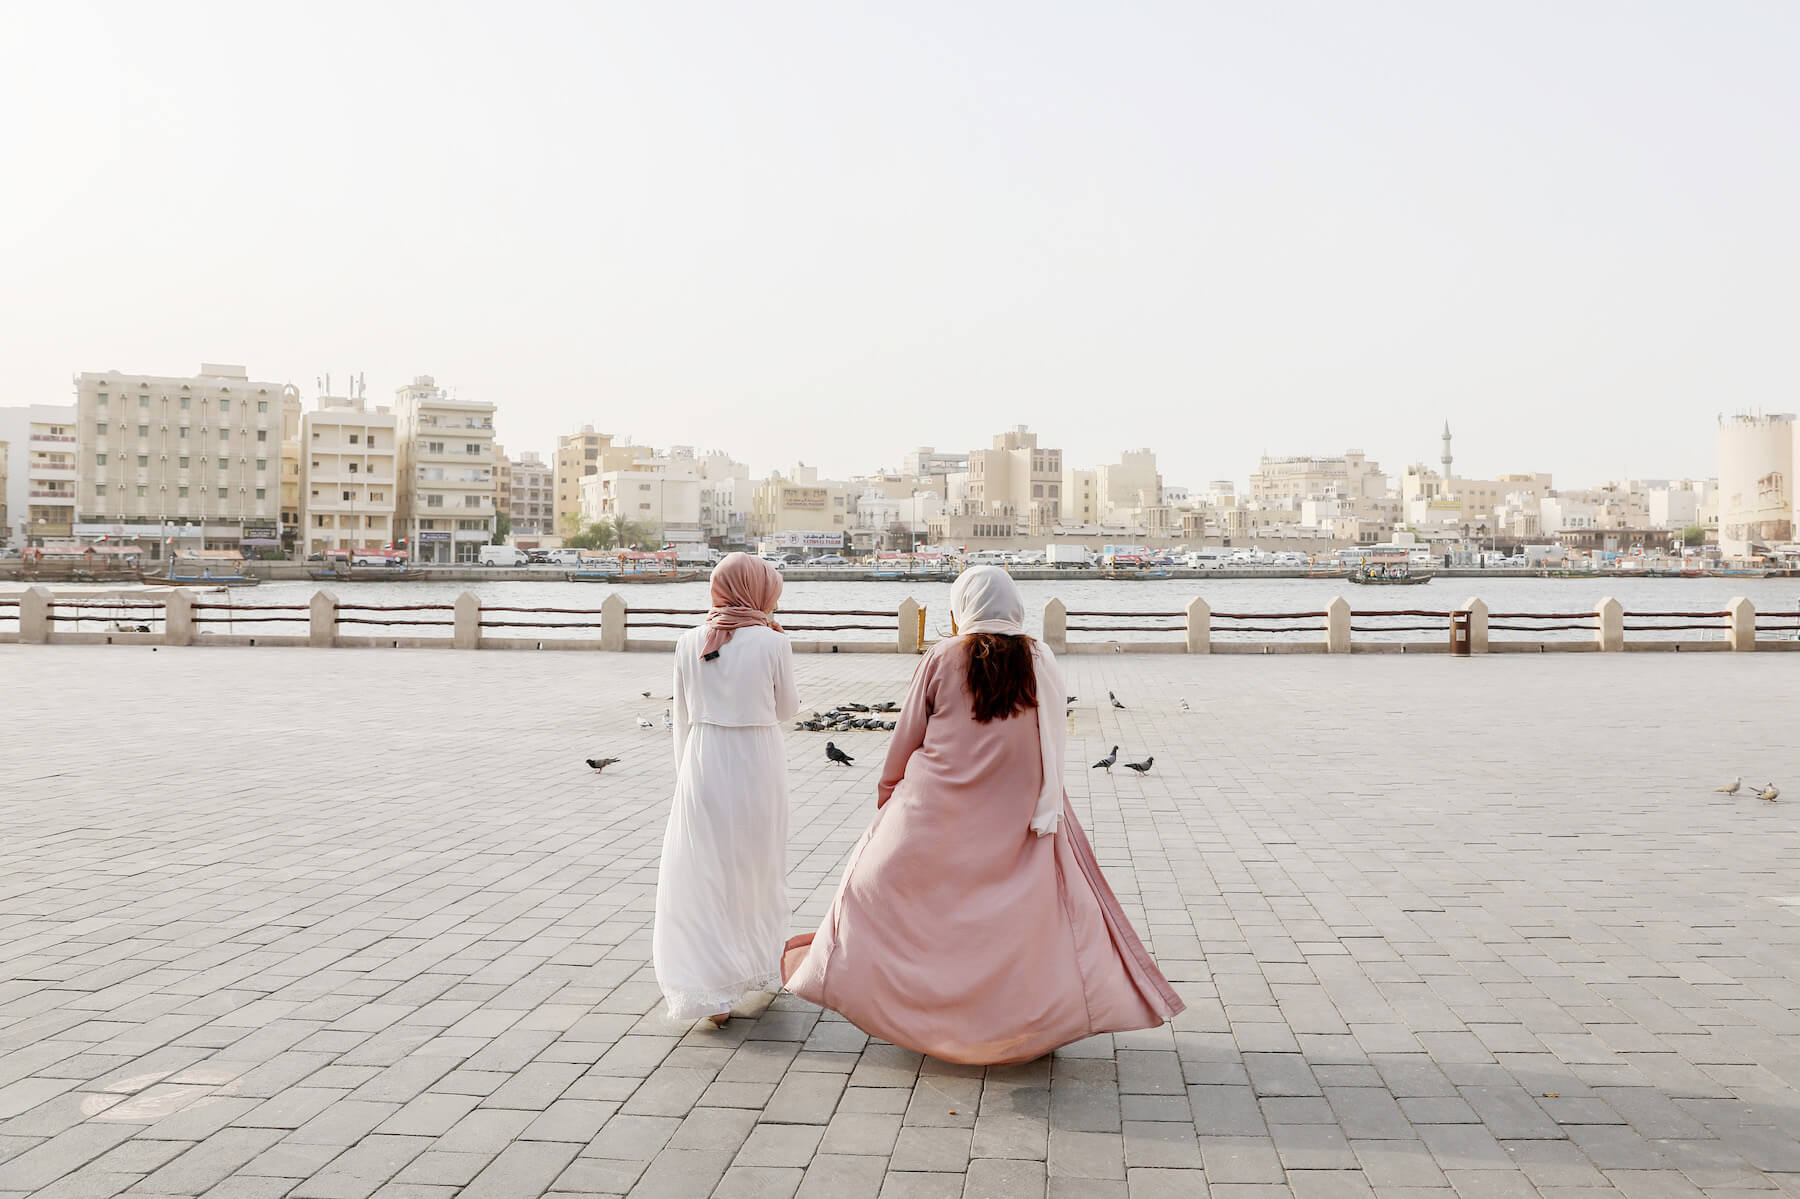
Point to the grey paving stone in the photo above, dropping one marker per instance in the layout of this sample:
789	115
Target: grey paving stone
1005	1178
843	1176
934	1150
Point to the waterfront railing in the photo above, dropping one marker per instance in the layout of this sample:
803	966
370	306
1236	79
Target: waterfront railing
185	617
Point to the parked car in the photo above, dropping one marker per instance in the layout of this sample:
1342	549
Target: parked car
831	560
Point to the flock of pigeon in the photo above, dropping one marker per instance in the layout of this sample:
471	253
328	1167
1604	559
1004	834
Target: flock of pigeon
868	717
1770	792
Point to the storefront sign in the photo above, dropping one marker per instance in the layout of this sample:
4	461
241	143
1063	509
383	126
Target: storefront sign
808	540
429	536
260	530
803	497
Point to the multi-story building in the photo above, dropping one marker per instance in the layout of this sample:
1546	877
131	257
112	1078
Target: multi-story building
349	476
190	461
661	497
502	483
1019	476
1129	486
1079	497
577	455
529	494
800	511
41	473
966	526
446	473
1757	496
925	462
5	523
290	470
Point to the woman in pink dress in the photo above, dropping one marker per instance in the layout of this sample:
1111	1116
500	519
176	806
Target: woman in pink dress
973	923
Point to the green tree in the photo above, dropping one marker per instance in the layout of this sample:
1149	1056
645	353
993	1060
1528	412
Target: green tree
1694	535
502	528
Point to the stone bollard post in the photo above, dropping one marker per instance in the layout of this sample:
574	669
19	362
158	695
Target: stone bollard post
178	617
1199	626
1478	619
467	633
34	616
1611	636
1337	626
322	633
612	622
1740	624
1056	626
907	618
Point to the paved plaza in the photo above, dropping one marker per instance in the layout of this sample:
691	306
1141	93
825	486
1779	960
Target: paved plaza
340	924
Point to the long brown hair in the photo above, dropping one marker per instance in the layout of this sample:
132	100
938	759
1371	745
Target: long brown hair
1002	679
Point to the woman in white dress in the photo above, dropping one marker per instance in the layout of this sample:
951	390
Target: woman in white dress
721	892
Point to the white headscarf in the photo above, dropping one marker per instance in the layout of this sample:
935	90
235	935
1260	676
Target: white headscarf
984	599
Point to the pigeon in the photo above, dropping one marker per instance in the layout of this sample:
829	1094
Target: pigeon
1184	705
668	719
1141	767
1106	763
834	754
1770	793
1115	701
856	707
600	764
645	694
1731	788
1070	700
644	723
887	726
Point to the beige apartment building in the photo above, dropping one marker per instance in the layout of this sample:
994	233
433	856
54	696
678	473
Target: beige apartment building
527	493
349	476
1019	476
190	460
40	473
446	473
577	456
5	519
800	511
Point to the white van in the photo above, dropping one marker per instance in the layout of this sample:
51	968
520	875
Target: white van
989	558
503	555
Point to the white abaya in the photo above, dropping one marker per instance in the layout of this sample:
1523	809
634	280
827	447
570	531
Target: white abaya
721	892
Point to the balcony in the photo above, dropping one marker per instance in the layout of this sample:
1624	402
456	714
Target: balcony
54	437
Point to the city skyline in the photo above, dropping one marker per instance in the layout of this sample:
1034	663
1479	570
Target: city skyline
1565	231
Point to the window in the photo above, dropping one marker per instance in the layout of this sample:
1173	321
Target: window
100	429
353	468
183	461
187	402
143	401
347	496
184	432
143	430
99	459
262	435
434	447
475	501
643	487
376	496
224	436
224	492
141	491
262	405
473	447
261	493
434	501
182	492
143	460
101	398
352	439
262	464
224	464
643	507
99	491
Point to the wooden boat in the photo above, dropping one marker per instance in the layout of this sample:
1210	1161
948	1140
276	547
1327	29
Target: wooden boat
204	578
1388	570
1133	575
367	574
632	576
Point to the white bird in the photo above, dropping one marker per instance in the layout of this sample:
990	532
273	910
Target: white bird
1184	705
644	723
1731	788
1770	793
668	720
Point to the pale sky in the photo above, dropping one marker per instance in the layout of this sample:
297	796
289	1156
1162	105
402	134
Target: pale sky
832	232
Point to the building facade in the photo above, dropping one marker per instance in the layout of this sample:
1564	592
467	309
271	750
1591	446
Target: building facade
529	495
446	473
577	456
1019	476
200	451
349	476
40	473
1756	482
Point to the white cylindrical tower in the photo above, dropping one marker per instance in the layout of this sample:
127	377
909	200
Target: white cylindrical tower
1756	481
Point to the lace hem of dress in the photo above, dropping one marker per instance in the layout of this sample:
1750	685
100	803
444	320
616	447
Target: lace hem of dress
693	1004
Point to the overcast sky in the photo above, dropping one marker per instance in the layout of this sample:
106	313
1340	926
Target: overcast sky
831	232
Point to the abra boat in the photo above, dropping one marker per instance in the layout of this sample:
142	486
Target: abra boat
1388	570
217	568
631	576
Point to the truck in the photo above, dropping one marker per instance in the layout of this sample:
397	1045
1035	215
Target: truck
1068	557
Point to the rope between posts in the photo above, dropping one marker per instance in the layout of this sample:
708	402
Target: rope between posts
1397	628
248	619
1126	628
396	607
1661	615
1543	616
109	605
410	624
1305	628
533	624
252	607
549	611
1144	615
1402	612
1269	615
1539	628
1657	628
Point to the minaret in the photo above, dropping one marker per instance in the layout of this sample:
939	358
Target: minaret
1446	458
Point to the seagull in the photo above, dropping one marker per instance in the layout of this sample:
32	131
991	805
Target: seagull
834	754
1731	788
1770	793
600	764
1141	767
1115	701
1106	763
644	723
